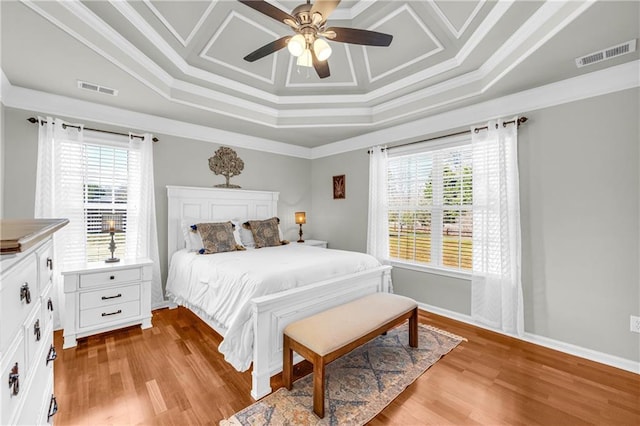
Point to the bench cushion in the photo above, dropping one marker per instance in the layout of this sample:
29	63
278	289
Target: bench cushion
334	328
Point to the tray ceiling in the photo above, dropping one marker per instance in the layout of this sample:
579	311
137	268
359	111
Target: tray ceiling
184	59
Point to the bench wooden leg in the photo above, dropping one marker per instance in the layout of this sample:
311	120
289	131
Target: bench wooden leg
318	386
413	329
287	363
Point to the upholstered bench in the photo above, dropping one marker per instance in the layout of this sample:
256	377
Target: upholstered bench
326	336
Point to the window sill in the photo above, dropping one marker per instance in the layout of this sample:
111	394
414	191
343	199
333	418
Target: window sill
432	270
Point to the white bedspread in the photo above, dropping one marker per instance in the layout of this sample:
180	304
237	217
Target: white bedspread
222	285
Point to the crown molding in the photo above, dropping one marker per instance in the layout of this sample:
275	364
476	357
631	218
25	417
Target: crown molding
47	103
457	33
609	80
171	28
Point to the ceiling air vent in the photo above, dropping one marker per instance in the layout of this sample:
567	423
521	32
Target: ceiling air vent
608	53
97	88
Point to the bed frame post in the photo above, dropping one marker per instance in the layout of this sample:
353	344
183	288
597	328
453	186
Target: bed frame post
261	374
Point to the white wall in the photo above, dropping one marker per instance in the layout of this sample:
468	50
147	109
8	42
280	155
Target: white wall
1	160
579	181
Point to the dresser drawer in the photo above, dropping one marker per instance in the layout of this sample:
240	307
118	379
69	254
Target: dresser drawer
107	314
109	296
10	402
13	301
41	380
45	264
110	277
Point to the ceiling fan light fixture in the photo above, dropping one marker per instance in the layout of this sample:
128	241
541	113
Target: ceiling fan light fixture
305	60
297	45
321	49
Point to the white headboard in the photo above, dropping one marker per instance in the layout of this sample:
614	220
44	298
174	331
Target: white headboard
215	205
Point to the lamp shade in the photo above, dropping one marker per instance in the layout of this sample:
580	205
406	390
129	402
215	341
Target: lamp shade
305	60
321	49
112	222
301	218
297	45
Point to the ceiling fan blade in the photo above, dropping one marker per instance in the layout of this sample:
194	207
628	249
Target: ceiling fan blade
267	49
268	9
322	67
357	36
324	8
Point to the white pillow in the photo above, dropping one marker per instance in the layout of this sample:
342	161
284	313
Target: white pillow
193	240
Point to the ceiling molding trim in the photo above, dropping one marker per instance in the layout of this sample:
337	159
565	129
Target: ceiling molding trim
170	27
457	32
352	83
47	103
491	20
5	86
223	26
609	80
161	44
421	24
539	18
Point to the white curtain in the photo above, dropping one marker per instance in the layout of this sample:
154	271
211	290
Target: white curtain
378	227
59	194
496	292
142	234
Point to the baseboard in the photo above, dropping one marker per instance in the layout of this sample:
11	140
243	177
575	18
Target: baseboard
163	304
579	351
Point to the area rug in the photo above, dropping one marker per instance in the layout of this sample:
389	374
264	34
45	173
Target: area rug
359	384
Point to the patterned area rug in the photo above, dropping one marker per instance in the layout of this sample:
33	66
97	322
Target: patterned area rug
359	384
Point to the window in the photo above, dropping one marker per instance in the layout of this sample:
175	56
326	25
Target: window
106	171
430	199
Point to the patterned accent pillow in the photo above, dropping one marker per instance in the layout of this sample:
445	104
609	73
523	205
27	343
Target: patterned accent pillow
265	232
217	237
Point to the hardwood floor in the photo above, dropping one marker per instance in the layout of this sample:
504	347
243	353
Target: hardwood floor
173	374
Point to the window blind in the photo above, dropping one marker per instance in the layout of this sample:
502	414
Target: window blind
430	198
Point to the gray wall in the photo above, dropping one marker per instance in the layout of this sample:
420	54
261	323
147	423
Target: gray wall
176	162
579	182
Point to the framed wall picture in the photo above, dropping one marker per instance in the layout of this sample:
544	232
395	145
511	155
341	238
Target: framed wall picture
339	187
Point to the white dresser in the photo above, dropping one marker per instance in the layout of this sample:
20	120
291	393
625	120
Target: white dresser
26	321
103	296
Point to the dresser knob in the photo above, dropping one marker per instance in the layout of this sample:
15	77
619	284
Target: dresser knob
14	380
112	277
50	305
25	293
53	407
36	330
52	355
49	263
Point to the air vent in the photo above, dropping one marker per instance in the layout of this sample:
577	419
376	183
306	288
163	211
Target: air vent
608	53
97	88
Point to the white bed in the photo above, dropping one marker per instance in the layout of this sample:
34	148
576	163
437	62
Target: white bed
292	284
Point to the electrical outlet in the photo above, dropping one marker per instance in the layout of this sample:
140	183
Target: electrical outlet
635	324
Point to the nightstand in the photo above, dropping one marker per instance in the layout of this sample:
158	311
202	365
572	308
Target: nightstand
315	243
103	296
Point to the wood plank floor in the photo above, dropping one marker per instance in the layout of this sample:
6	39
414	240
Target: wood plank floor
173	374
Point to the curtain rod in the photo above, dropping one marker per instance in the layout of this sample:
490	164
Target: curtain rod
35	120
521	120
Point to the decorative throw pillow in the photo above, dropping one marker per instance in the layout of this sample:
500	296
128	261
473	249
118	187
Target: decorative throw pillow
217	237
265	232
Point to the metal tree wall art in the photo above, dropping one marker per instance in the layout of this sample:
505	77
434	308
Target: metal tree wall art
226	162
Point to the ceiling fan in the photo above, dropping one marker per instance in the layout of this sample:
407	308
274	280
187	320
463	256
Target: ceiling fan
309	23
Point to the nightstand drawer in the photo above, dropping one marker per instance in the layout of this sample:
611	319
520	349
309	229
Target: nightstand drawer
107	314
110	277
109	296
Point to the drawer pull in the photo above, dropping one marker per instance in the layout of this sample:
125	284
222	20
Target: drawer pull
50	305
25	293
50	263
53	408
119	311
112	297
36	330
52	355
14	380
112	277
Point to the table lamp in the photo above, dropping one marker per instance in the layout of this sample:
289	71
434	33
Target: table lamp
301	217
112	223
